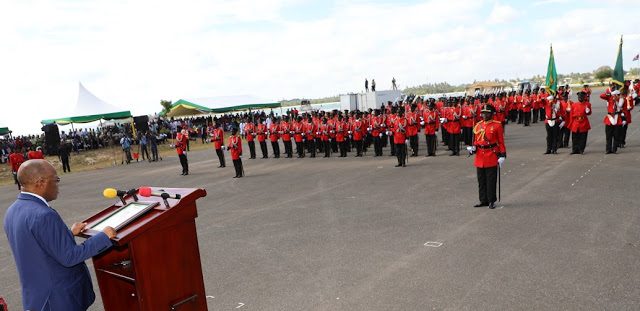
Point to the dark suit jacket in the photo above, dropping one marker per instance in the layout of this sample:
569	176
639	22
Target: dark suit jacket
51	265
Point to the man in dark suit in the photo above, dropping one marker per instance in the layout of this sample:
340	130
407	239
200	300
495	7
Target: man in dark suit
51	266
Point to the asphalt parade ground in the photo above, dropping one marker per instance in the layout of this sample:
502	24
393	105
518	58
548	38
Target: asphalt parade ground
360	234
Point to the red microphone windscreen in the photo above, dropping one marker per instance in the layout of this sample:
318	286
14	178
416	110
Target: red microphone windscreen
144	191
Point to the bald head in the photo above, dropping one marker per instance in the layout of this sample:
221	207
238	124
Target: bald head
38	176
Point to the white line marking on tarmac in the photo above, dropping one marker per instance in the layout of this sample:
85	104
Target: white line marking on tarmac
240	304
210	297
433	244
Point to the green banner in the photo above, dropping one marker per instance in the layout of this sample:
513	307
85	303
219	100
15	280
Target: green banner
618	72
551	85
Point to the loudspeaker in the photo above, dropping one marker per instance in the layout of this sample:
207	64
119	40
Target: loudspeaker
142	124
51	138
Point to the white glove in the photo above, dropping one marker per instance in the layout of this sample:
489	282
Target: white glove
380	135
624	122
561	124
524	106
442	120
384	125
332	132
389	133
464	117
224	148
500	160
470	149
303	134
329	139
254	134
291	132
436	133
240	156
317	133
422	123
568	109
587	110
349	132
406	141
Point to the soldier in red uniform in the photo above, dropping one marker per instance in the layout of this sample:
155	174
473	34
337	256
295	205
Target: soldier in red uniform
218	142
564	133
357	130
526	108
285	133
453	116
250	130
310	130
181	149
376	132
35	154
488	145
341	134
628	105
552	124
431	122
235	146
400	137
298	132
325	130
579	126
412	130
467	122
262	138
15	160
274	131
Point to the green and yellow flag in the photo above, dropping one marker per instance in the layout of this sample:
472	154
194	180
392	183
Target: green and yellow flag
551	85
618	72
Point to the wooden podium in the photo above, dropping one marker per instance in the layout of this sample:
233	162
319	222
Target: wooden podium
155	261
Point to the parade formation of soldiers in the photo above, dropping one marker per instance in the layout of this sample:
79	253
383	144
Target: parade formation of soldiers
478	121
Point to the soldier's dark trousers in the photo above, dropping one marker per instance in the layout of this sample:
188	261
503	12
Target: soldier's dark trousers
288	149
454	143
276	149
252	149
327	148
543	115
358	144
431	144
393	148
220	157
536	113
467	135
334	145
612	134
154	152
520	116
413	141
320	144
263	148
487	181
343	148
579	141
623	134
311	144
565	133
552	138
377	145
300	149
237	164
527	117
184	163
400	153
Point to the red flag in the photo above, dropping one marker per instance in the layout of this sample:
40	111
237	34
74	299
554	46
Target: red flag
636	58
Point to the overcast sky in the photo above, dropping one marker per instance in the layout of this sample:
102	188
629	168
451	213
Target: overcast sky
132	54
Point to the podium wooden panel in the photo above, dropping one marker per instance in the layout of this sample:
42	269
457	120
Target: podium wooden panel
155	261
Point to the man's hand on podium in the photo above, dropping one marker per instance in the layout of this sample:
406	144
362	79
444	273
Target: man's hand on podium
78	227
111	233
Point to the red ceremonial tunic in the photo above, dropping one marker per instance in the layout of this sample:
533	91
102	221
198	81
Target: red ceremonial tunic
489	142
578	116
218	138
235	146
